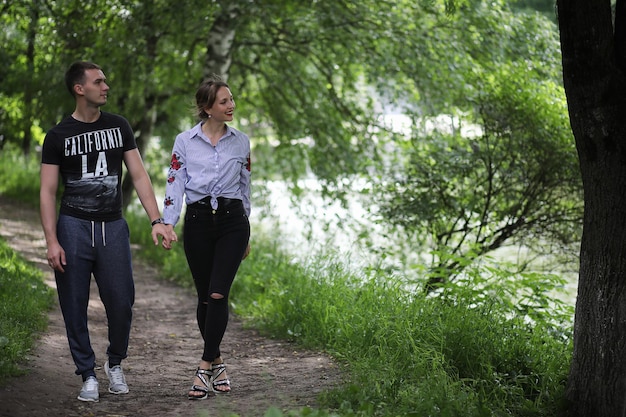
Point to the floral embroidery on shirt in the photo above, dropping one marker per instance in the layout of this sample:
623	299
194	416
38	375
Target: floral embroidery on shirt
175	164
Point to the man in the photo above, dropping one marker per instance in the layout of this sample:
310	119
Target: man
90	236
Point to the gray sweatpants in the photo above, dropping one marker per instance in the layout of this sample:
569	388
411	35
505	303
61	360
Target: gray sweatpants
101	249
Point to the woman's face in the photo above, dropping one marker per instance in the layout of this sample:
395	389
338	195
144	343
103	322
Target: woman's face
224	106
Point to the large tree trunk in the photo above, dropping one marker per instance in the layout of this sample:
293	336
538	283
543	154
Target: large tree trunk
595	85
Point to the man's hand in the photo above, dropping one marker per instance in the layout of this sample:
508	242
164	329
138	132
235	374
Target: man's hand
56	257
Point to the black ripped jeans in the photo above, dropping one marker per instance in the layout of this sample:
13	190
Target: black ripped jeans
214	242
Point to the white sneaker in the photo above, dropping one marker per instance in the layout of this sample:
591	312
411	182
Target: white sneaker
89	392
117	381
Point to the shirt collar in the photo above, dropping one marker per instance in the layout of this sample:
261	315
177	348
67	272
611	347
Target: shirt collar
197	131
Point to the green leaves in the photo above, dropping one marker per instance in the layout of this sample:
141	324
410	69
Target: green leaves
312	82
513	181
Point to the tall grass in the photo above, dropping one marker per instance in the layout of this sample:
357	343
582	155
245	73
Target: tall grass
494	344
24	302
409	353
19	175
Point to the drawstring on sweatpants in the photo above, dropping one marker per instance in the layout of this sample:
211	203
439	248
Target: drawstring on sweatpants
93	234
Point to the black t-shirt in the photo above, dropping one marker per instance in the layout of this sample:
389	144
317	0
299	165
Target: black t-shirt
90	158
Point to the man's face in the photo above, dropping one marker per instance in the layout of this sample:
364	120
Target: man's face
94	89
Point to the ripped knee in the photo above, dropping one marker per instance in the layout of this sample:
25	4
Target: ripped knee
216	296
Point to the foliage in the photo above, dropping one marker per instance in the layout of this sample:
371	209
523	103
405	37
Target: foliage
20	175
473	351
165	43
514	179
312	81
24	301
545	7
300	70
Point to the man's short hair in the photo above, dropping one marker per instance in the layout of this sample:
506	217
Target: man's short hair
75	74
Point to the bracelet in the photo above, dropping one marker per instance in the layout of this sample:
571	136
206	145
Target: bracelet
157	221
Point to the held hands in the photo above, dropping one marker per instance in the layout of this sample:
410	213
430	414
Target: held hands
166	231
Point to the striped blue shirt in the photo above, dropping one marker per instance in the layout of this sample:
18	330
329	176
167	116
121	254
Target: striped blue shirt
198	170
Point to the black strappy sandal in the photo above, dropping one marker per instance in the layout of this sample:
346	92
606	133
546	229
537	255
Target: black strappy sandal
217	370
200	373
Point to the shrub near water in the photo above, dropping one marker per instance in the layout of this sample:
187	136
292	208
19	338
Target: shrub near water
24	302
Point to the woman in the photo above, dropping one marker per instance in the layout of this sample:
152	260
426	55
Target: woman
210	169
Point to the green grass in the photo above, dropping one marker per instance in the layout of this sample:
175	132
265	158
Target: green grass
20	175
494	344
24	302
408	353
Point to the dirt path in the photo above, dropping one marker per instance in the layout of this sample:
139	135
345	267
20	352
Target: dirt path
163	353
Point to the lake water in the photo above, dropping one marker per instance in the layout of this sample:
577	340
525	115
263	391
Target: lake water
310	224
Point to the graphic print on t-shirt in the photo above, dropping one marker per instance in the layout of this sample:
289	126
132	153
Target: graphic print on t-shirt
96	186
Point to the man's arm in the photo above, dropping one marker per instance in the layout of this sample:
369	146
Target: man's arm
145	192
49	177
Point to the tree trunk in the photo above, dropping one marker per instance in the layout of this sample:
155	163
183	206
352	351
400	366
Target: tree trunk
220	41
595	86
145	127
28	87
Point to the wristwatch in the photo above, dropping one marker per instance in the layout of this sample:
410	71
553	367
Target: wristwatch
157	221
